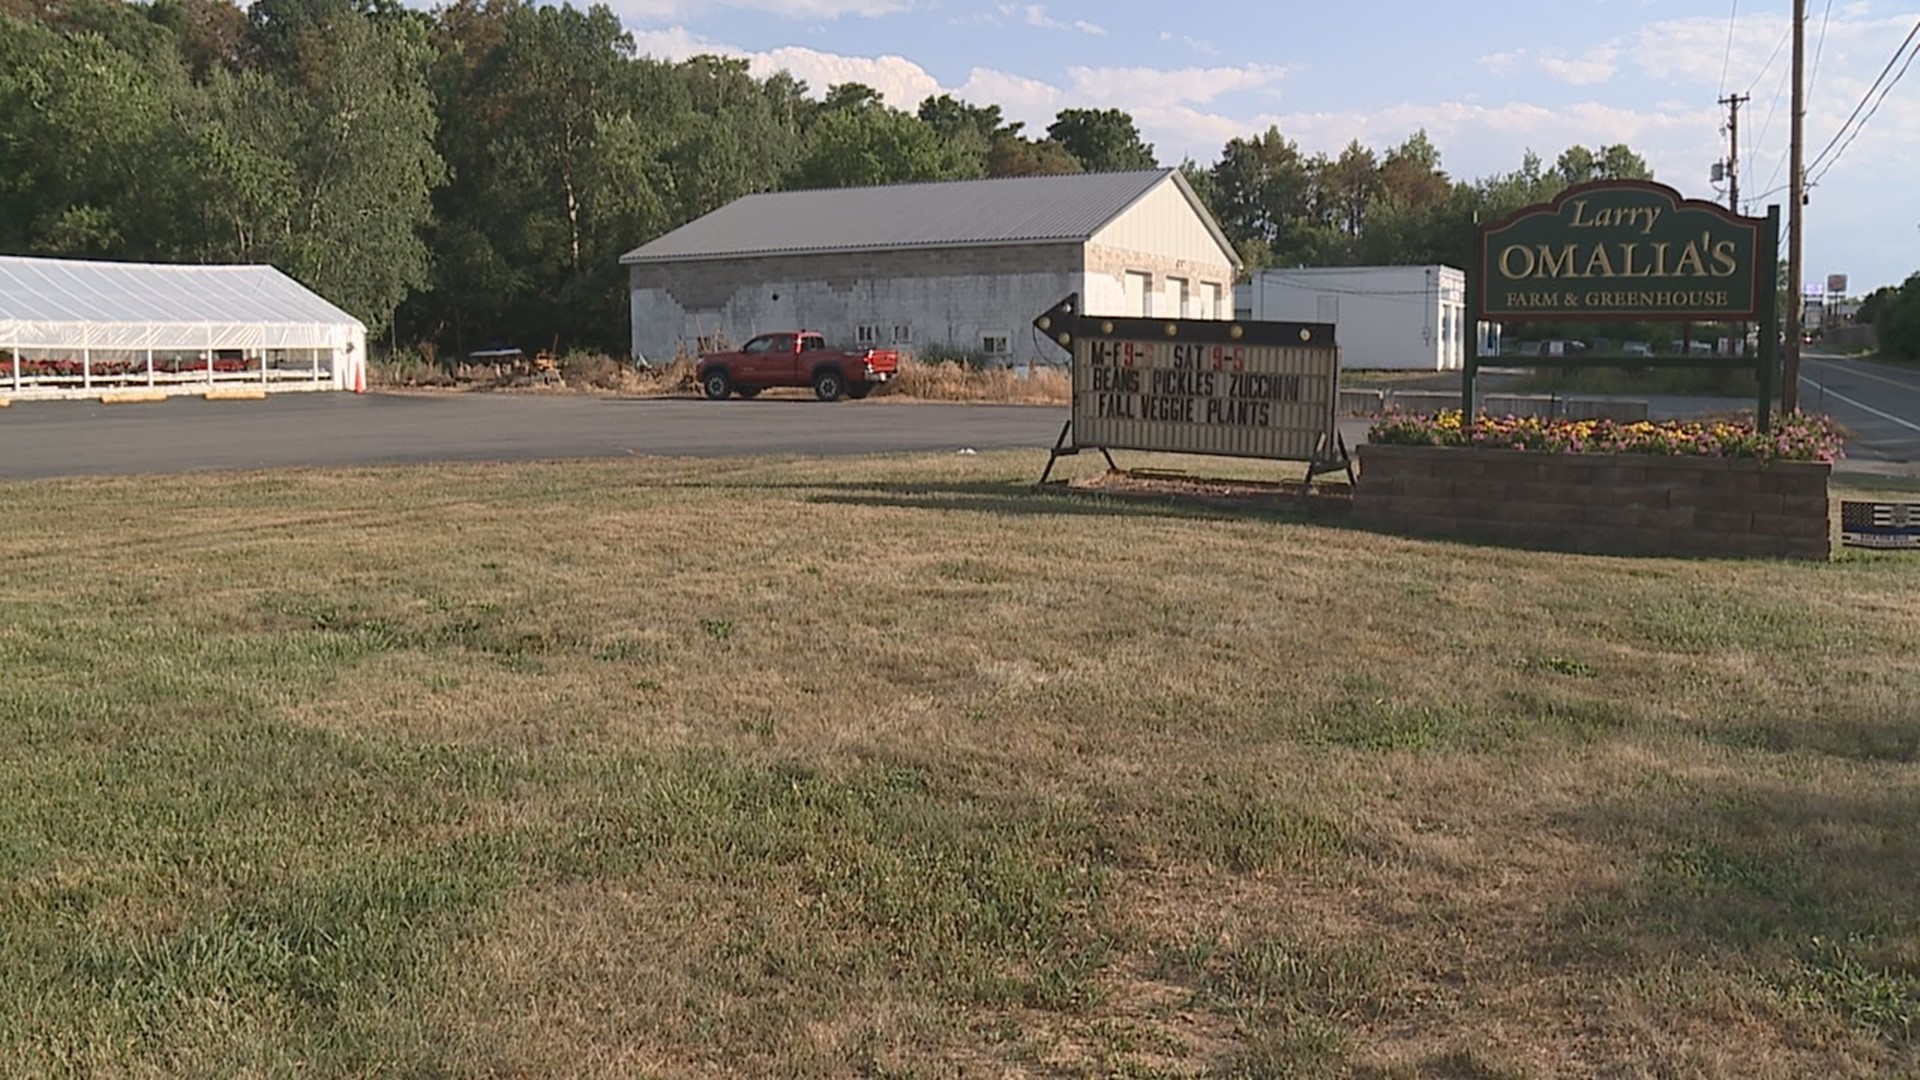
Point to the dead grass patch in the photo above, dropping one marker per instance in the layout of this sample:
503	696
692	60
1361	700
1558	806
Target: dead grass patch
888	766
949	381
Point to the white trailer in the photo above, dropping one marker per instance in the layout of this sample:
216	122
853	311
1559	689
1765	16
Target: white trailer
1405	318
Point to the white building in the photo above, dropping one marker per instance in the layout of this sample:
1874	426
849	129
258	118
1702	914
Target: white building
1388	317
959	266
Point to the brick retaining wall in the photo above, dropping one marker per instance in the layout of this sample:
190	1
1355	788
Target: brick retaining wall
1619	504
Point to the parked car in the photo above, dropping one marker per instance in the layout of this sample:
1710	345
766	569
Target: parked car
1635	348
795	358
1555	347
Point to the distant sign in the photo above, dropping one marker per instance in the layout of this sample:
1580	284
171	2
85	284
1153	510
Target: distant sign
1620	249
1880	525
1201	386
1837	284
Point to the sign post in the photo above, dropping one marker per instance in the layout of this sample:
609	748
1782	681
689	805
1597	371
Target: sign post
1628	251
1200	386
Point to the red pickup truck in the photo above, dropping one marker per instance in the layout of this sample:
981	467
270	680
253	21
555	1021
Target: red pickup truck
795	358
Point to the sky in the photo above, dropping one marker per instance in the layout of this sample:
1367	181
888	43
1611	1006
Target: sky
1486	79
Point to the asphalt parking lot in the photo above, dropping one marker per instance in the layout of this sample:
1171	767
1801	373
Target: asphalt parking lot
87	438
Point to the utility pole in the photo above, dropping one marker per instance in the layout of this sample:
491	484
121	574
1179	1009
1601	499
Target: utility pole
1796	216
1733	103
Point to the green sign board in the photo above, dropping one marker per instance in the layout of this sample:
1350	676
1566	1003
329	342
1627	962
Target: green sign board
1628	250
1622	250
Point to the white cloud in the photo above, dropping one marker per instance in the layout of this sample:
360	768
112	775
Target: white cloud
1596	66
1140	87
901	82
653	11
1030	14
1502	64
1199	45
1019	97
1036	15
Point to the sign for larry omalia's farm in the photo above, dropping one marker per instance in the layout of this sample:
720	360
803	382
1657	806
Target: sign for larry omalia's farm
1200	386
1622	249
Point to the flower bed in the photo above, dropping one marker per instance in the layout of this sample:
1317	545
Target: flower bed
1714	488
1796	437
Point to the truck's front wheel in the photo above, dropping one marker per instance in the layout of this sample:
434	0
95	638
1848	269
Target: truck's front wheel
716	384
828	385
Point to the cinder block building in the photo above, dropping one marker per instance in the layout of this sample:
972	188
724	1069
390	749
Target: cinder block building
958	266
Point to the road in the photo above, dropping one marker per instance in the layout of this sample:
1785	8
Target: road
68	438
1878	403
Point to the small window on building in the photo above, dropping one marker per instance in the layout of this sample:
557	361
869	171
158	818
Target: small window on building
1178	297
1214	307
902	334
867	335
994	345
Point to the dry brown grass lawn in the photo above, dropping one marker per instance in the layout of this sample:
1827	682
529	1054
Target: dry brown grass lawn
954	382
889	767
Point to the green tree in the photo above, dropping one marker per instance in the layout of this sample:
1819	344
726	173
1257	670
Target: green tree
1012	154
1348	186
322	161
1261	194
968	131
1102	140
1896	321
724	134
1410	174
869	144
91	156
1579	165
561	148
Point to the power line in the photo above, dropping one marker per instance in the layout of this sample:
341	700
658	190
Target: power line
1768	66
1897	53
1727	60
1876	108
1781	161
1819	47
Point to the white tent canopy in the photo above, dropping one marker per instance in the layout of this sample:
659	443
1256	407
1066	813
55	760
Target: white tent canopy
81	307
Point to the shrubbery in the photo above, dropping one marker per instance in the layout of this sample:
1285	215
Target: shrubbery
1896	320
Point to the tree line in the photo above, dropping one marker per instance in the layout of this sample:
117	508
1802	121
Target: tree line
472	174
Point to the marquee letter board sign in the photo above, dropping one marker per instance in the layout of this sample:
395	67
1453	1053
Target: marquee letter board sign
1201	386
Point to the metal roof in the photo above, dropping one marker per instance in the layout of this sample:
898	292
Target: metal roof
954	213
82	291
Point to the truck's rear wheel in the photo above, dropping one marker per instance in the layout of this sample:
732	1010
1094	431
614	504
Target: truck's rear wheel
717	385
828	385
